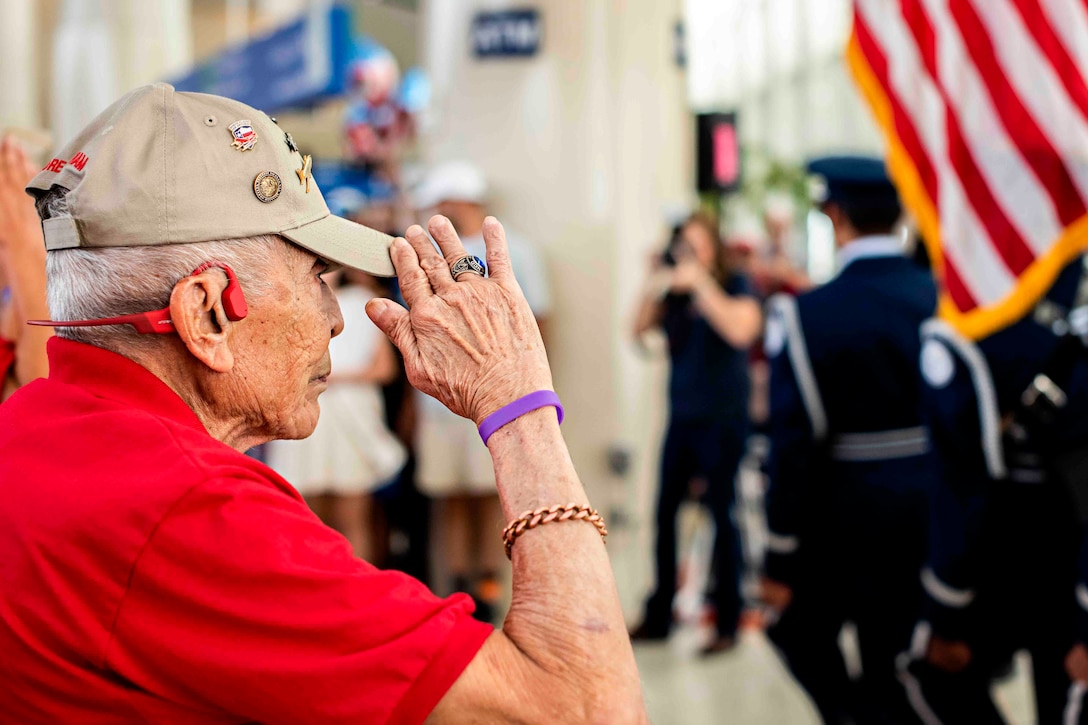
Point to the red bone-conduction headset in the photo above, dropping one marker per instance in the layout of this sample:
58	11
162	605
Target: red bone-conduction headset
234	304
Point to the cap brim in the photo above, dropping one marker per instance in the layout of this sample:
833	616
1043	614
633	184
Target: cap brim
347	243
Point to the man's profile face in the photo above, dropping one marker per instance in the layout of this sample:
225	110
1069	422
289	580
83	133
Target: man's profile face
282	350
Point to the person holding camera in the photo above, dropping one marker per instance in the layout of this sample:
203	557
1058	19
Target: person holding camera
710	315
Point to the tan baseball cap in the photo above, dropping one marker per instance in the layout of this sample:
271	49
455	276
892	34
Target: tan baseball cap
162	167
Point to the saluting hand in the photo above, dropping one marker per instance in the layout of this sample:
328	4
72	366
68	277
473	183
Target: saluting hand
473	344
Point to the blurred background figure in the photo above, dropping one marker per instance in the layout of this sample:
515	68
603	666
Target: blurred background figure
22	274
351	452
848	463
453	466
775	268
375	125
400	526
710	316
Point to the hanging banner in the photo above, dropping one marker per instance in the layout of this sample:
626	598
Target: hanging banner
297	65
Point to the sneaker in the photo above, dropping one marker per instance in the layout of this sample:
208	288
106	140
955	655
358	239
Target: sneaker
720	644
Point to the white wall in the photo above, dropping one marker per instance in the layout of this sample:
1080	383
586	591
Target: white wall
18	81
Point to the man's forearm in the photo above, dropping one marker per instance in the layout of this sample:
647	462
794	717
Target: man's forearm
565	613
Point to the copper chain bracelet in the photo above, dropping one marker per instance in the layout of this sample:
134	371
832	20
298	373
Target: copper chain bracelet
532	519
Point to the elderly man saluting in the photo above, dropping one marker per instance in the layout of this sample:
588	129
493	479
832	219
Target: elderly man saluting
150	572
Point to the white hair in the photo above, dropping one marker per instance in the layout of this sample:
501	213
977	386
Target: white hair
88	284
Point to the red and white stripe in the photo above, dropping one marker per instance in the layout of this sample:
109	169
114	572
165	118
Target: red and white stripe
989	101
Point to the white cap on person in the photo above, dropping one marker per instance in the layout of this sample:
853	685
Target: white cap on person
451	181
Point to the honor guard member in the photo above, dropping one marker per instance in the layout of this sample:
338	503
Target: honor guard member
849	461
1009	424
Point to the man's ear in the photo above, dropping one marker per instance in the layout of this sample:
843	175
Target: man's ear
196	309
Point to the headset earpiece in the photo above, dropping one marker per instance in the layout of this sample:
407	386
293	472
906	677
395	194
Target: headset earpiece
234	301
158	321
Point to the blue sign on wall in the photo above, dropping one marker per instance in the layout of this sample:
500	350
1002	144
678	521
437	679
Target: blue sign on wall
507	33
297	65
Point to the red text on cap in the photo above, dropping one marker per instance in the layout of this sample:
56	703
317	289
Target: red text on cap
78	161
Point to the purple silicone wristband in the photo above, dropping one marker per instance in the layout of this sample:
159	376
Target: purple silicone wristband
518	408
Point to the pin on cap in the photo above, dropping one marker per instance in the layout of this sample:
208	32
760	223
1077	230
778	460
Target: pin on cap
304	173
245	137
267	186
161	144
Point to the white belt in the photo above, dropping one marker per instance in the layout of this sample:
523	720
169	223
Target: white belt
883	445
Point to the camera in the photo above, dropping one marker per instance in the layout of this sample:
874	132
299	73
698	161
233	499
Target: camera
676	239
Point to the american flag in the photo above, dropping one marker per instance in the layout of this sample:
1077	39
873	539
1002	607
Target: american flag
984	108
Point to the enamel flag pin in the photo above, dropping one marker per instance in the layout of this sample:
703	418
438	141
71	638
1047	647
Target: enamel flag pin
245	137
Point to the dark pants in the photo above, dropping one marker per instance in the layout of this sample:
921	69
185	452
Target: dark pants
860	565
807	637
711	451
1024	601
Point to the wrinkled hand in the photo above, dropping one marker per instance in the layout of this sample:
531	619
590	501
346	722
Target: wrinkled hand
774	594
948	655
1076	664
473	344
18	219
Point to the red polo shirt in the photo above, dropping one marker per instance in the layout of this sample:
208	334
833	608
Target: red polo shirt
149	573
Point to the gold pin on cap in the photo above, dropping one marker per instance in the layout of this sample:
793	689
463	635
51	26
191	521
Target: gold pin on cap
267	186
304	172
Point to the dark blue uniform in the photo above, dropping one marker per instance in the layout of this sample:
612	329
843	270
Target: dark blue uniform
848	469
1005	527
